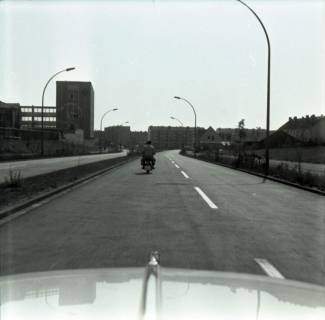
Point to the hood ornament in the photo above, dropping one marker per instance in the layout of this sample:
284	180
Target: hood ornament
154	259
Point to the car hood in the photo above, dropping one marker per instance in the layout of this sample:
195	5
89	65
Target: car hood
164	293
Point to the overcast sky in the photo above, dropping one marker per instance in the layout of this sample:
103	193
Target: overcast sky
139	54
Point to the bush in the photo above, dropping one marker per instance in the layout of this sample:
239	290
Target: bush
295	175
14	179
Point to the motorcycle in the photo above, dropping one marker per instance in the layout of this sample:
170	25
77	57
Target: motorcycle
147	166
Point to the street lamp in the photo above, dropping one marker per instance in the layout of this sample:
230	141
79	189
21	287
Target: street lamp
195	130
179	121
42	116
182	125
101	124
267	153
101	120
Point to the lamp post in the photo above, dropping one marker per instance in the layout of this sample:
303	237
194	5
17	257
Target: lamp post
101	122
267	155
182	125
195	131
42	114
179	121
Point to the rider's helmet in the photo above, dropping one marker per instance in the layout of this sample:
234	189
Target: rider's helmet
148	142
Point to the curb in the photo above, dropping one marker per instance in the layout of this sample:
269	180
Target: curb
13	209
288	183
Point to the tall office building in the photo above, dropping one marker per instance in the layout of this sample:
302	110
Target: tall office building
75	107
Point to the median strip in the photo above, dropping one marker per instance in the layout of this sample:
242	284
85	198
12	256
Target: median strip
206	198
269	269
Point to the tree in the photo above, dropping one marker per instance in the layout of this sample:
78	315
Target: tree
241	128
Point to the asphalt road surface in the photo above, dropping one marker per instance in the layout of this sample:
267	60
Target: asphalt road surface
196	214
35	167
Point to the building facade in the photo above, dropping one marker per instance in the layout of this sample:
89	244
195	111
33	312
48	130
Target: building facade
309	129
210	138
31	117
118	135
138	138
75	107
232	135
10	115
164	138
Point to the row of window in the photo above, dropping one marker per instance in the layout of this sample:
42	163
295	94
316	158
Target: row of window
38	118
30	109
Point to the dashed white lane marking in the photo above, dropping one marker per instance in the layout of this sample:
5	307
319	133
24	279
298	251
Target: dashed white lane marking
177	166
206	198
270	270
185	175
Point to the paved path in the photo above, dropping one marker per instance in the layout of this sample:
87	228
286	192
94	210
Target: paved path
30	168
198	215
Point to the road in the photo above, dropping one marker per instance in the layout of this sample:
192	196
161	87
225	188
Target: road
196	214
35	167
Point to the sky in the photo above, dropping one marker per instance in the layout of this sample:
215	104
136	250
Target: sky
140	54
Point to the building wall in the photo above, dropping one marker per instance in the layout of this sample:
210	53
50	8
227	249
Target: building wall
232	134
118	135
31	117
10	116
307	129
172	137
138	138
210	136
75	107
317	132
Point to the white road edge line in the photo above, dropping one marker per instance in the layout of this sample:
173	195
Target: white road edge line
177	166
185	175
206	198
269	269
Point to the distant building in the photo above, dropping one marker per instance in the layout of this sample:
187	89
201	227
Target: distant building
232	135
75	107
309	129
164	138
10	115
99	134
279	139
210	137
138	138
31	117
118	135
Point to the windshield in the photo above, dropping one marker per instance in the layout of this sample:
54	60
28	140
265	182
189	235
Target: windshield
191	128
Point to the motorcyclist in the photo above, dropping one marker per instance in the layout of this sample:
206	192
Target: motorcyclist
148	154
